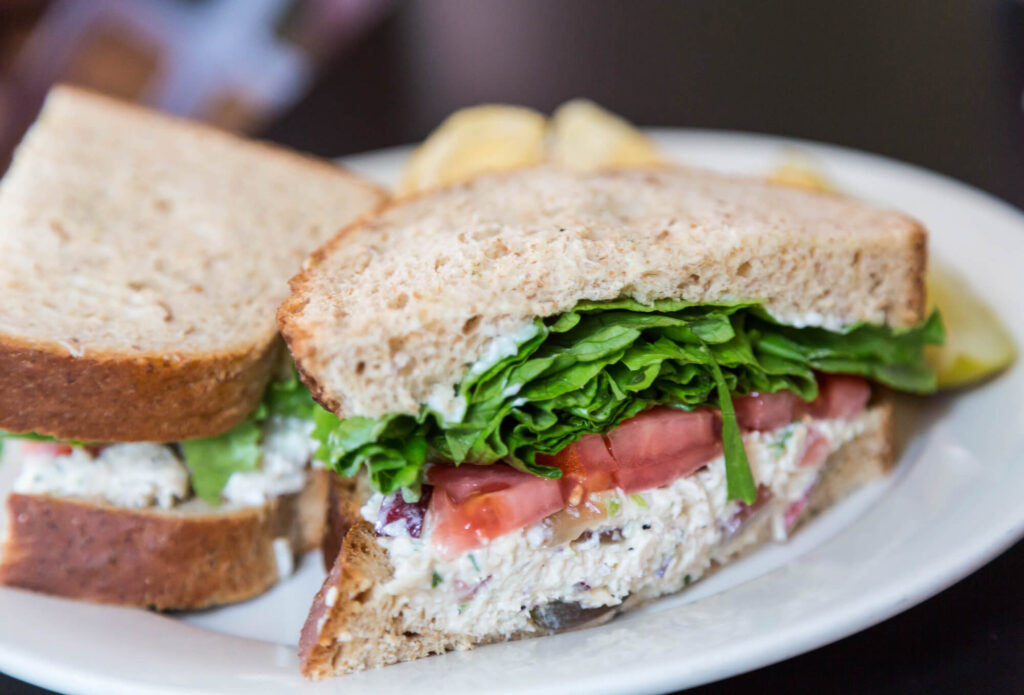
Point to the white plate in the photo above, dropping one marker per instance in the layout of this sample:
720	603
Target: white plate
953	503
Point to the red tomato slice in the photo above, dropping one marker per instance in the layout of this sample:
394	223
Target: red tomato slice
662	444
648	450
657	473
660	433
30	447
471	505
587	466
839	396
767	411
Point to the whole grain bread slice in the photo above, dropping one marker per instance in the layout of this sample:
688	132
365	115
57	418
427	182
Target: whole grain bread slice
390	313
142	258
194	556
355	625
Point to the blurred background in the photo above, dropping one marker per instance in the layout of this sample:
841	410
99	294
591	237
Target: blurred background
935	83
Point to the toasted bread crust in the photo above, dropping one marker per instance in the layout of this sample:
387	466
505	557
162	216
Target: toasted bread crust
343	502
163	560
361	628
149	397
352	627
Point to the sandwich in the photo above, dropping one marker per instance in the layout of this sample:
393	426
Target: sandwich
154	431
553	396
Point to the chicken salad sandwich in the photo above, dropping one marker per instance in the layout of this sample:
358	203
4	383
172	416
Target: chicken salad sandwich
555	395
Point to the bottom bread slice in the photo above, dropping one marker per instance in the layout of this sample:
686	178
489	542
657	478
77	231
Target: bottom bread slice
191	557
359	619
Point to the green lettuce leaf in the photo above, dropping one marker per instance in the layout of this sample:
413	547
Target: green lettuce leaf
739	480
589	369
212	460
289	398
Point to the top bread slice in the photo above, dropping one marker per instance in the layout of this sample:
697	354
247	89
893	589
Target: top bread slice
390	313
142	258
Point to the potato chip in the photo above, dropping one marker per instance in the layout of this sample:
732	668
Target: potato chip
800	171
585	137
475	140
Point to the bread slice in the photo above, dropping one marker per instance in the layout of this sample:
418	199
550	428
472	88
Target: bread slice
344	498
193	556
355	624
142	258
390	313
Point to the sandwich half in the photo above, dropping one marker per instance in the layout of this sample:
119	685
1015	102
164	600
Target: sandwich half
159	448
554	396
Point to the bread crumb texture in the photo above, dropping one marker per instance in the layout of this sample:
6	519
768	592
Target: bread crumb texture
142	259
124	230
391	312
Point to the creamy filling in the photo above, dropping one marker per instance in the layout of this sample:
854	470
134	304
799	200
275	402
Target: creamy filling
147	475
502	346
451	406
813	319
288	447
127	475
649	543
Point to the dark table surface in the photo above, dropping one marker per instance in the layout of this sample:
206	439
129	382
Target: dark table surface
937	84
